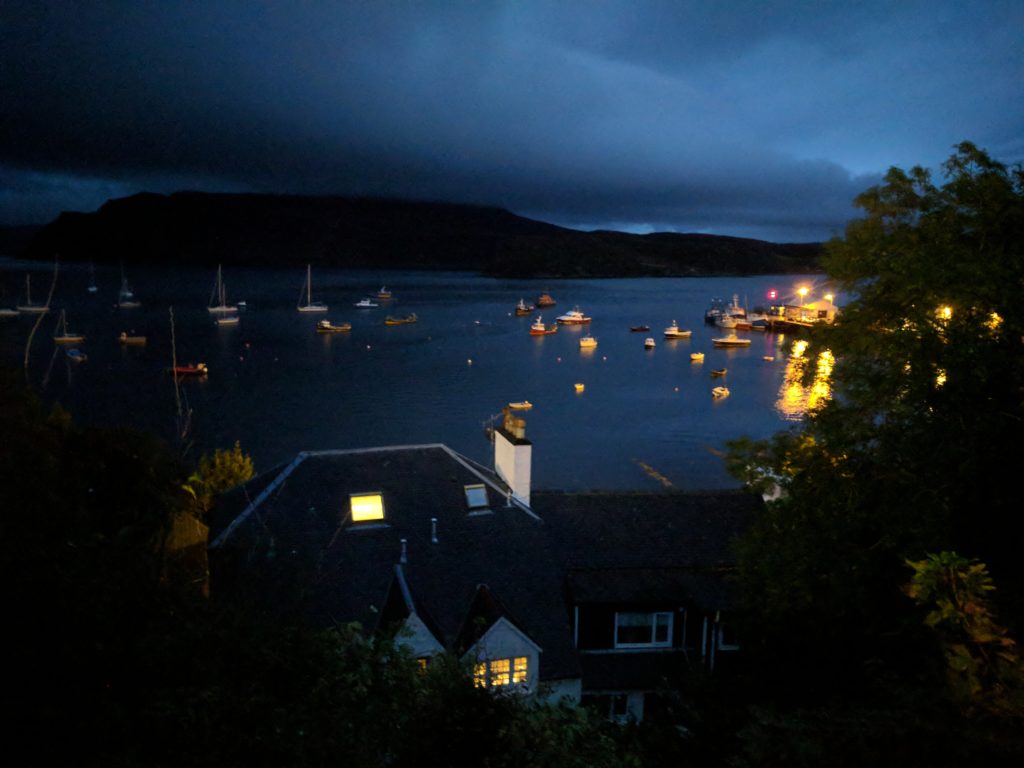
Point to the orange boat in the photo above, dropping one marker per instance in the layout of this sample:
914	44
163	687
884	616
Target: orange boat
545	301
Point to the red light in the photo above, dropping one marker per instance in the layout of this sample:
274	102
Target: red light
772	294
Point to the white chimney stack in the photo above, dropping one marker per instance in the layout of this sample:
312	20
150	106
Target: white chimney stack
513	454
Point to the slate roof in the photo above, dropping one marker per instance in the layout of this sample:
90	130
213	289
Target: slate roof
306	509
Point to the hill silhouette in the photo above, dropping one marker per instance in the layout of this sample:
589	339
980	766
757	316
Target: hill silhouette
193	228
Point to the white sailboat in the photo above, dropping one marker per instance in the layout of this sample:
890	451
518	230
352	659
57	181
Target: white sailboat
92	279
221	307
310	305
28	306
125	297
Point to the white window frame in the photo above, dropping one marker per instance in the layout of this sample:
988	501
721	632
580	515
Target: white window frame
653	643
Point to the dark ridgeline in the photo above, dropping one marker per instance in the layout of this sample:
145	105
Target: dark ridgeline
272	230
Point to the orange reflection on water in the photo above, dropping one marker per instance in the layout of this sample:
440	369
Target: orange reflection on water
796	400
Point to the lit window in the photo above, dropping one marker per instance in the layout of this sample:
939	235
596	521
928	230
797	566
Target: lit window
500	674
643	630
480	675
366	506
476	496
519	669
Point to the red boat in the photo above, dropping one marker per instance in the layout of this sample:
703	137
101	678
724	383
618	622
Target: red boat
545	301
199	369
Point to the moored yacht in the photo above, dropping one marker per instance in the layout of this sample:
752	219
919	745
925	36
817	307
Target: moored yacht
573	317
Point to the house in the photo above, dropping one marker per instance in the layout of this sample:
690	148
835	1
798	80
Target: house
590	596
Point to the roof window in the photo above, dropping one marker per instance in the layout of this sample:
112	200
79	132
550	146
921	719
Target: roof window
476	496
366	507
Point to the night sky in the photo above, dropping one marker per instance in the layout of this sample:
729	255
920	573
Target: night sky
760	119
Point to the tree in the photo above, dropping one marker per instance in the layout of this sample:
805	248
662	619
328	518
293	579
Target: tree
216	474
911	454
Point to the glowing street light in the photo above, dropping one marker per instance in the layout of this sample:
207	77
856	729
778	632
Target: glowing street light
802	290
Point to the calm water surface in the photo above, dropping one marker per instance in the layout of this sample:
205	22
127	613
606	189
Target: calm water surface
280	388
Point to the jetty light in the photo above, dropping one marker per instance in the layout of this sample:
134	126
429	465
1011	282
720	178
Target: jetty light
802	290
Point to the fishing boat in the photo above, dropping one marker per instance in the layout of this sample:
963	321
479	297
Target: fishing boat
522	308
639	328
720	392
588	342
731	341
411	318
719	371
545	300
124	338
696	357
573	317
28	306
366	303
310	305
326	326
648	343
92	279
76	355
218	295
383	293
675	332
63	335
539	329
197	369
522	405
227	320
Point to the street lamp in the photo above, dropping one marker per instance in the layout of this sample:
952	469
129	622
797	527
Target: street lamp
802	290
828	298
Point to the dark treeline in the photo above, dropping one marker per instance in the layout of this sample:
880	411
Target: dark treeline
266	230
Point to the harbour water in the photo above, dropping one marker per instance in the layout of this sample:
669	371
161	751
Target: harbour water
645	418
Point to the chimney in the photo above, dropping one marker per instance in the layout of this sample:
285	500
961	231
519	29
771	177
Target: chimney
512	455
433	530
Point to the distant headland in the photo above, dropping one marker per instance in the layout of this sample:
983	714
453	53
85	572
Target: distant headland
196	228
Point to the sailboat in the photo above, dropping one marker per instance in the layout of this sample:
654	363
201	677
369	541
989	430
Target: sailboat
222	306
92	279
63	335
28	306
125	298
310	305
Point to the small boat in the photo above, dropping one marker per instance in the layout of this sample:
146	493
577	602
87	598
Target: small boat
28	306
383	293
124	338
696	357
126	297
769	358
545	300
92	279
366	303
639	328
579	386
522	405
63	335
218	294
410	318
731	341
588	342
573	317
310	305
8	312
522	308
674	332
227	320
720	392
241	304
719	371
76	355
648	343
326	326
539	329
198	369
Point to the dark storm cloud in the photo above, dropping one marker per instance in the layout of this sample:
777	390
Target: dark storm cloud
762	119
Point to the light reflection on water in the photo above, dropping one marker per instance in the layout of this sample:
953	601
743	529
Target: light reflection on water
280	388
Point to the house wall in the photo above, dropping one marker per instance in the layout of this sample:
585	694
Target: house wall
417	638
553	691
504	641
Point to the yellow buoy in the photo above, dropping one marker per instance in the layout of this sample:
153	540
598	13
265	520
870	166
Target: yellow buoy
579	387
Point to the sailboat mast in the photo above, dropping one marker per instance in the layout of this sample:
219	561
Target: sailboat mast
309	284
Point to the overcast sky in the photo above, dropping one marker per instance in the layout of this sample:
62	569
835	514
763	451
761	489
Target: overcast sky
760	119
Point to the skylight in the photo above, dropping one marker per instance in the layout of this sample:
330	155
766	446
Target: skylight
366	506
476	496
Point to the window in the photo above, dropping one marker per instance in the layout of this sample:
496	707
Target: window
643	630
500	673
727	641
476	496
611	706
366	506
